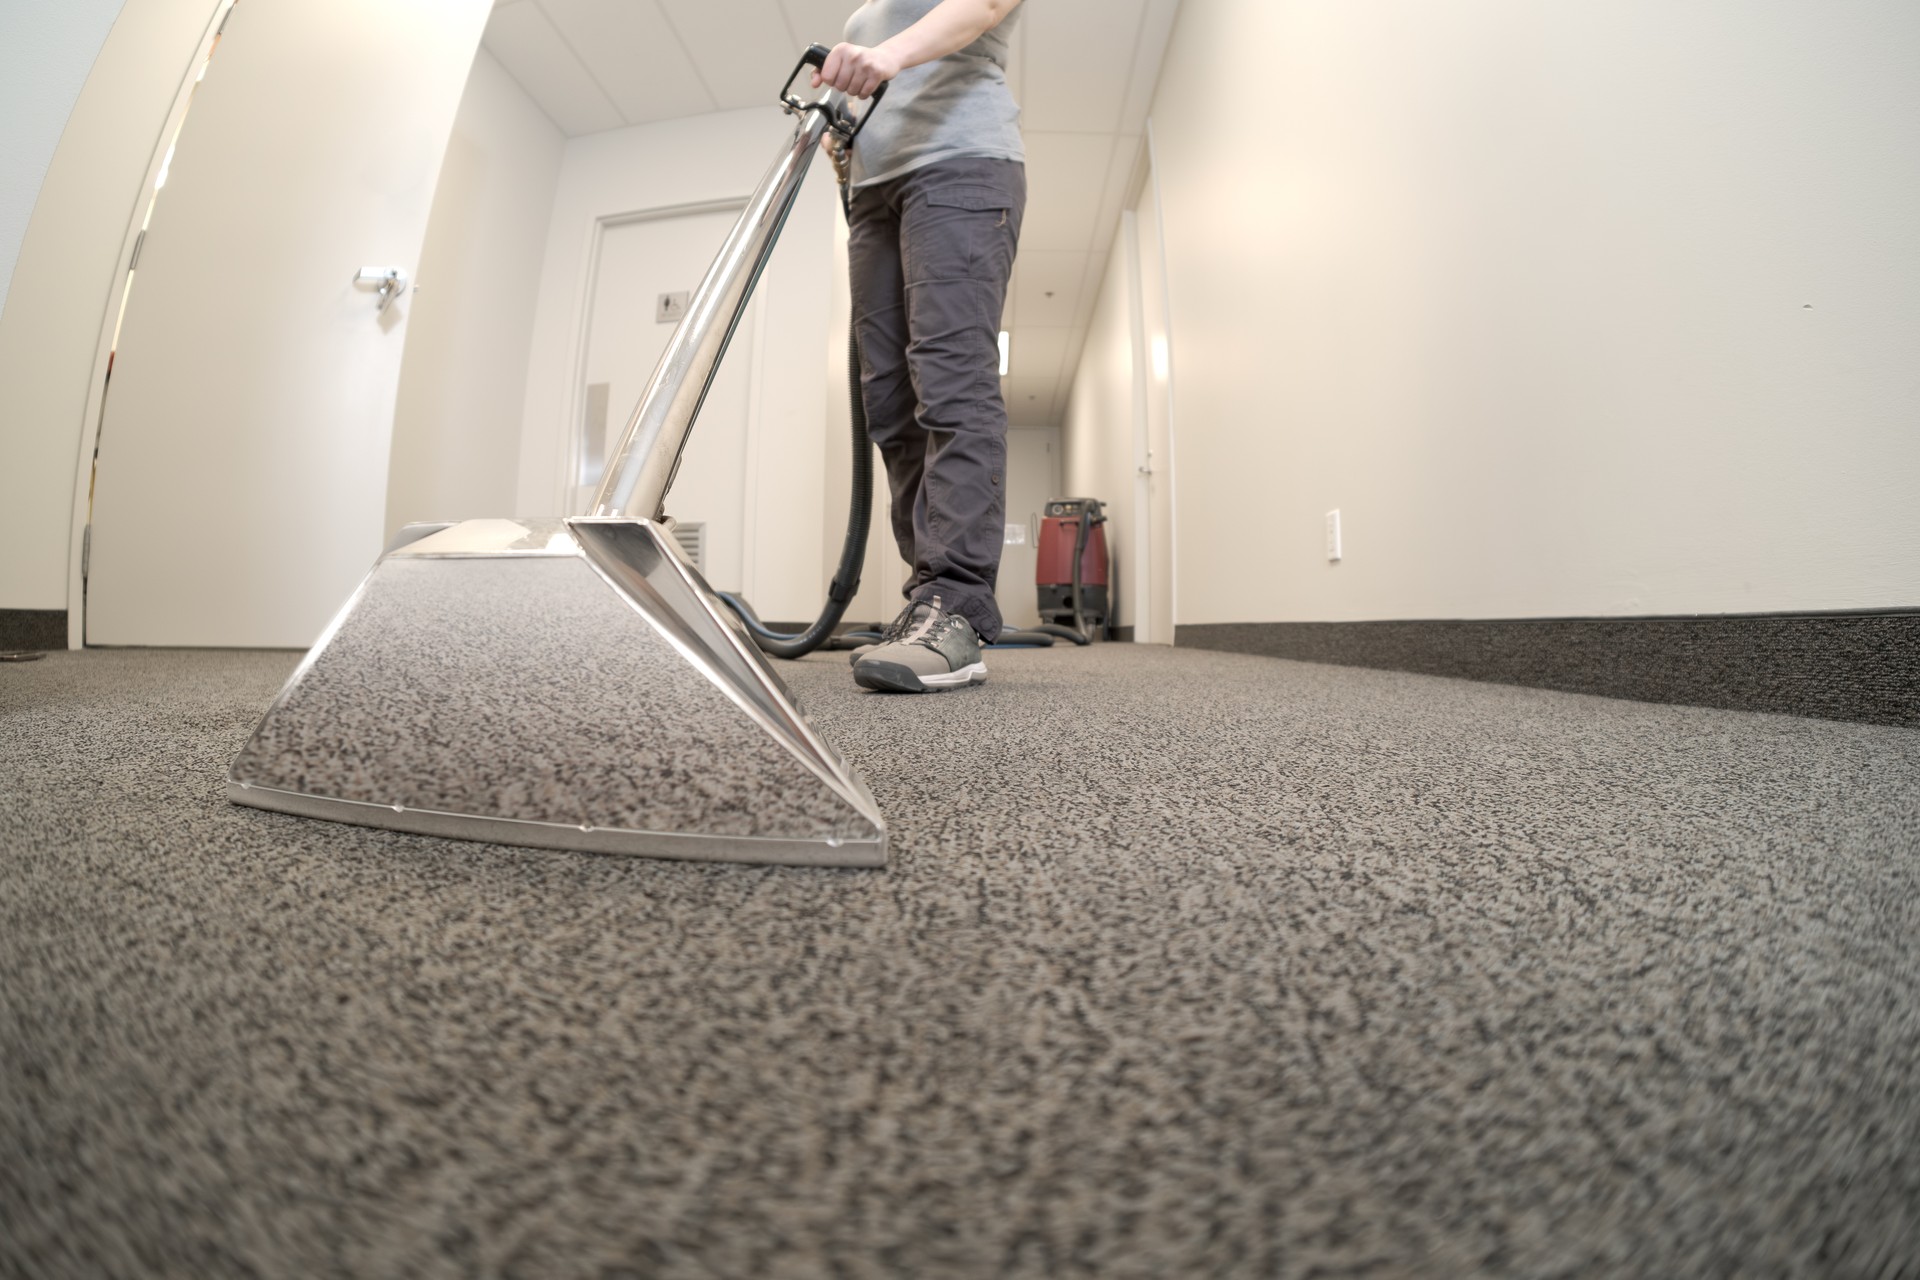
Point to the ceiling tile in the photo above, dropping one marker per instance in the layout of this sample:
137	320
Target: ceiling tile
1155	29
817	21
1035	354
1079	58
1070	365
1066	177
1106	220
1047	285
741	49
1029	400
527	44
633	54
1090	296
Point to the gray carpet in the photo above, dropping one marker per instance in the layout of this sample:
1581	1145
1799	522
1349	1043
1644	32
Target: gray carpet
1188	964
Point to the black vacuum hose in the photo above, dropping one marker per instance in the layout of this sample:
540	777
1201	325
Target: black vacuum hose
853	550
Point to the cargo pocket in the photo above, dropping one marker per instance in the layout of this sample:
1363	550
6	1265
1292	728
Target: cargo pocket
967	233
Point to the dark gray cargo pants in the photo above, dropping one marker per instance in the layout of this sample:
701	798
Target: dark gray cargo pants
929	254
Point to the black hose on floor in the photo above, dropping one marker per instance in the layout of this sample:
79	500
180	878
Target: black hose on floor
853	550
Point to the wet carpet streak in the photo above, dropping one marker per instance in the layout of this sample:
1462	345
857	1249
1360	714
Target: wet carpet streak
1187	964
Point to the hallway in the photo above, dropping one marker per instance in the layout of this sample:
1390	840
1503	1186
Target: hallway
1202	963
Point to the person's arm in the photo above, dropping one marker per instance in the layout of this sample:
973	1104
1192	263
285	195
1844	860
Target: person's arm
857	70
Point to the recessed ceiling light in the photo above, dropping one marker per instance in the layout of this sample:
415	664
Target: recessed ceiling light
1003	353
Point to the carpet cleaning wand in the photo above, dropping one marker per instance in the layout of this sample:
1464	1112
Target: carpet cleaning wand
841	128
571	682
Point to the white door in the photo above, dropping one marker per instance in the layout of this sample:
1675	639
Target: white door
1033	476
638	262
240	490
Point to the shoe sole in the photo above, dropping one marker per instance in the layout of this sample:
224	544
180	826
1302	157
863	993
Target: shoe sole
892	677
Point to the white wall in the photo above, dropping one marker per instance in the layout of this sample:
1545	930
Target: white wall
46	49
697	159
1098	435
71	259
1570	309
463	383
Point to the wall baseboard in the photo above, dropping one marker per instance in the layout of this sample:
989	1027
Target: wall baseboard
33	628
1862	666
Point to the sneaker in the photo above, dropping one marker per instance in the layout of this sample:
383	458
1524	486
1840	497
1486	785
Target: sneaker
928	650
888	633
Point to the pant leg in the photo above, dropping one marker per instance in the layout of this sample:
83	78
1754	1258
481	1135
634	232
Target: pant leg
959	226
878	284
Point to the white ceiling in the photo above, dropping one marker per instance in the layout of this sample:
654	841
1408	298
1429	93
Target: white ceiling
1083	72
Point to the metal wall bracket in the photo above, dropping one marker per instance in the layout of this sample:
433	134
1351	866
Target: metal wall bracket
388	282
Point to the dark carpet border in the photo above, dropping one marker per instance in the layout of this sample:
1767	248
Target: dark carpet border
33	628
1861	666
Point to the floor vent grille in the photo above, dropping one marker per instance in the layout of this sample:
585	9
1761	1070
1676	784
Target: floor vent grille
692	537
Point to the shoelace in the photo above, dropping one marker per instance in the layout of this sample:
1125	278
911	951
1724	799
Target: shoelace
898	627
932	619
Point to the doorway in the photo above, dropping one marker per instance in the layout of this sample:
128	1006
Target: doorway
645	268
1152	576
1033	476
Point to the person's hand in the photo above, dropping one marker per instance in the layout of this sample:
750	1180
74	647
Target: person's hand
856	70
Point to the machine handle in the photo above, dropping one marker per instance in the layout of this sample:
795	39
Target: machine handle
842	120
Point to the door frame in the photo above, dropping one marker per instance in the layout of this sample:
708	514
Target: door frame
1173	435
587	290
81	520
1140	571
1150	471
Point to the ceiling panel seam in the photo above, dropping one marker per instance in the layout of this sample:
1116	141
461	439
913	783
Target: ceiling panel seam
574	53
713	99
1133	62
538	100
1069	356
786	20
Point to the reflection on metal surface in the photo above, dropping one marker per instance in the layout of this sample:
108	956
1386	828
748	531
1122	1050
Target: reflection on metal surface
688	846
414	532
494	538
636	559
561	684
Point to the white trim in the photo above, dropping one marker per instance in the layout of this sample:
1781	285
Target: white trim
1140	576
121	288
1173	475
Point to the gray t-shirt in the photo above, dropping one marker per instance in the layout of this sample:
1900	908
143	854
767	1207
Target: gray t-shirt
958	105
